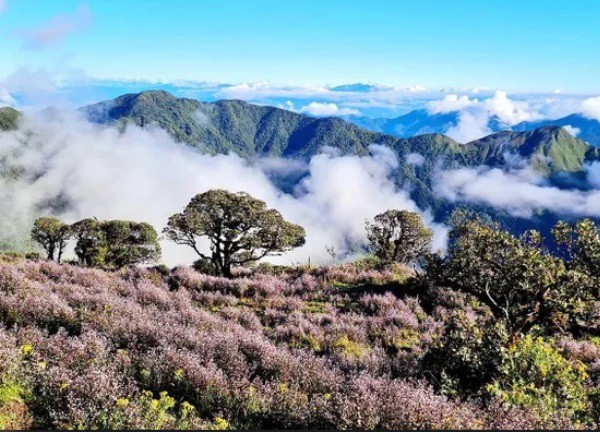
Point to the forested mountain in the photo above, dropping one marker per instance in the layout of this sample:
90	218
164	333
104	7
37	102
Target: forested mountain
253	130
262	131
586	129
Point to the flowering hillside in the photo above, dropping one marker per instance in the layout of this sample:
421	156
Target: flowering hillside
337	347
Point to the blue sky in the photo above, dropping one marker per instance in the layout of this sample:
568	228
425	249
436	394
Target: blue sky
514	45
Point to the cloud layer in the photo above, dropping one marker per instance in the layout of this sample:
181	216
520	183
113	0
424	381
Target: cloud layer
75	169
520	191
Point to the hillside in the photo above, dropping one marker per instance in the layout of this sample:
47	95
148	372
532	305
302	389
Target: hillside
418	122
233	125
9	118
327	348
588	129
253	130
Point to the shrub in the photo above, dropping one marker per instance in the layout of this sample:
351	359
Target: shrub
534	374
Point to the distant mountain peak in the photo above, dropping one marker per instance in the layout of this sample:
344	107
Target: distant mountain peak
356	87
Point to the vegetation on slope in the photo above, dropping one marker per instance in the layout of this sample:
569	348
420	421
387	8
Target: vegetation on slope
253	130
9	118
498	334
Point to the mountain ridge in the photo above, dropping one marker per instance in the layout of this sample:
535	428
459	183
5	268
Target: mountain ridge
254	130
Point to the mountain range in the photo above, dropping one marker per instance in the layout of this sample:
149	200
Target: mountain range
418	122
421	121
262	131
252	130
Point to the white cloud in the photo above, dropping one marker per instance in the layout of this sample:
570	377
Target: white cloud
593	174
451	103
572	130
6	98
509	110
474	115
327	109
143	174
264	89
470	126
520	192
57	28
590	108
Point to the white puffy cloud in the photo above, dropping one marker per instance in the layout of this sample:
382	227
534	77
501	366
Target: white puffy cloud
470	126
451	103
415	159
327	109
474	115
509	110
520	192
590	108
6	98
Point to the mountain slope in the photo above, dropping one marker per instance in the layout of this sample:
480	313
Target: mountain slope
418	122
252	130
589	129
551	148
234	125
9	118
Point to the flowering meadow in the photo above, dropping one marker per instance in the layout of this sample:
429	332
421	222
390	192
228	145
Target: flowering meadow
341	347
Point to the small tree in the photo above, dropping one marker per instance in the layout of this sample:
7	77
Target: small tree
398	236
129	243
90	244
52	234
582	243
240	228
115	243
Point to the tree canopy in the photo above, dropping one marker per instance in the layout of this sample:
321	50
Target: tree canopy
521	282
115	243
52	234
240	229
398	236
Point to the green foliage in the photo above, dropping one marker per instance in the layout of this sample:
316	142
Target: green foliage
115	243
13	409
240	228
534	374
146	412
467	355
582	243
349	348
398	236
52	235
9	118
515	277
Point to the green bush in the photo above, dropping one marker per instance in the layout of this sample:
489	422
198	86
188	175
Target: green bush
534	374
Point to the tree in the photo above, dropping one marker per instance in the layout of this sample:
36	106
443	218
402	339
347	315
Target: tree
582	243
398	236
89	247
52	234
129	243
240	228
115	243
522	284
